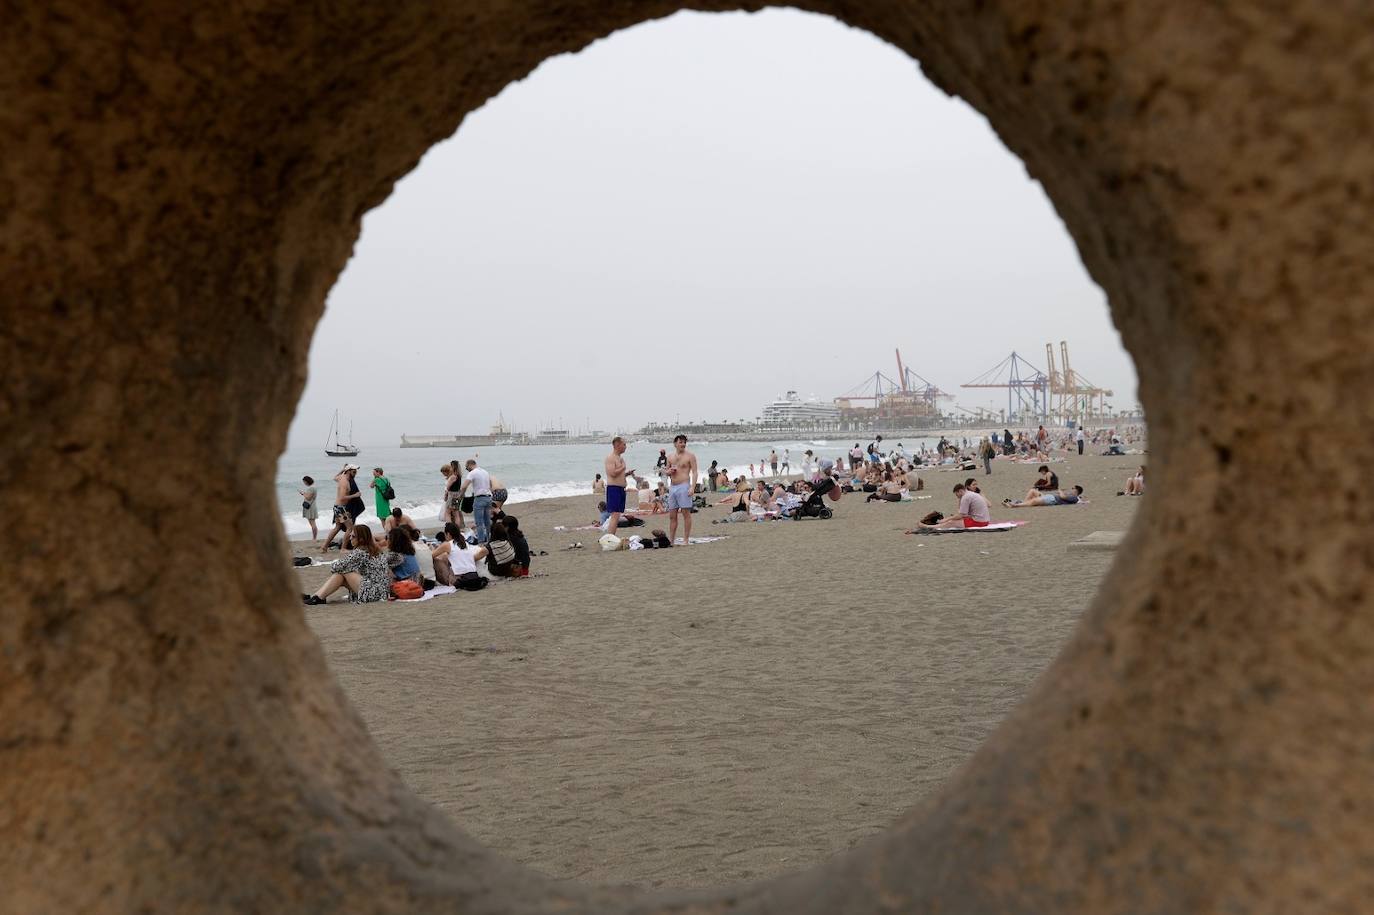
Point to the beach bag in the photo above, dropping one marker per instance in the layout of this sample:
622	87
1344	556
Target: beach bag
933	518
501	552
470	581
301	561
407	590
388	493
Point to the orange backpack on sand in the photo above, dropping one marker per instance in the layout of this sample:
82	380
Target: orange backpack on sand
407	590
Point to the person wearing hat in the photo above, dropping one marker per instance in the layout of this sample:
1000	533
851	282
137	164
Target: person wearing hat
348	505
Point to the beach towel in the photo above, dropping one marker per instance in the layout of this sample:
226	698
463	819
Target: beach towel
994	526
636	545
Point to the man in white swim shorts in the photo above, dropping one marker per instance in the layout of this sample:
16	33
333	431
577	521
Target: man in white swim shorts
682	475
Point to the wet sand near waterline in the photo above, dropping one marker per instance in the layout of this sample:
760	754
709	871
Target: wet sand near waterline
728	711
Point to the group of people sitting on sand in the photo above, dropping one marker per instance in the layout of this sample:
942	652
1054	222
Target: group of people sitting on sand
404	564
973	509
763	503
1046	491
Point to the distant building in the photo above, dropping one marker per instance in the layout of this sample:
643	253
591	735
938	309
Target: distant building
663	431
791	412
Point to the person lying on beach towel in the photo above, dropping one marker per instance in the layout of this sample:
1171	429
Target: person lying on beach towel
1034	499
994	527
973	510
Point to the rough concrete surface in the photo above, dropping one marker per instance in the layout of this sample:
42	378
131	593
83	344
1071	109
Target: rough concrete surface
180	185
1105	541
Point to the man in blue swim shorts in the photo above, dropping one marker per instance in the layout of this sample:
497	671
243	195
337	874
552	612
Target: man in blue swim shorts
615	483
682	476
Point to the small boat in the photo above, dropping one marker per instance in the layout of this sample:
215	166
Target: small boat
338	448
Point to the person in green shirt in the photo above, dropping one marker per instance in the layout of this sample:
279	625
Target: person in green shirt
381	486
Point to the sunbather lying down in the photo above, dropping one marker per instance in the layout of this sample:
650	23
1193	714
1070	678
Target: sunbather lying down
1035	498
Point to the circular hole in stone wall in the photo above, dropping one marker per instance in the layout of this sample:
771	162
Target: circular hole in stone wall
678	225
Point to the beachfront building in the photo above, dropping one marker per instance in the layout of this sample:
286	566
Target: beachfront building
789	412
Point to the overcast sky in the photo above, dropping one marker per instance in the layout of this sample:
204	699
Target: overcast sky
685	220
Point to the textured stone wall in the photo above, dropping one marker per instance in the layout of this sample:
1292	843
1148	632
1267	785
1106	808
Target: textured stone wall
180	184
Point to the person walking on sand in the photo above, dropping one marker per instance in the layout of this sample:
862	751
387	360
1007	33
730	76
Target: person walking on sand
786	461
382	493
309	506
615	483
1079	437
682	472
987	451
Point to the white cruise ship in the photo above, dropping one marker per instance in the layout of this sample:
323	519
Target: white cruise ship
791	412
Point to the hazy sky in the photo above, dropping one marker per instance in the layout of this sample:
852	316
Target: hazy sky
687	219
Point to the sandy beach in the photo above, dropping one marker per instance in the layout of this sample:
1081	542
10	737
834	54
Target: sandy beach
731	710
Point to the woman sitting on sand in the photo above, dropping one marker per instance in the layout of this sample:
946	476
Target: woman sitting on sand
401	556
889	491
501	553
598	485
739	509
454	563
364	571
1135	486
517	540
424	556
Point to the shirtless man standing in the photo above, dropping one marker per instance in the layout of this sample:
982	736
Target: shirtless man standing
682	471
615	482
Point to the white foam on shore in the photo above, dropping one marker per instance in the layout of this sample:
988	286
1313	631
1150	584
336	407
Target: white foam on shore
428	512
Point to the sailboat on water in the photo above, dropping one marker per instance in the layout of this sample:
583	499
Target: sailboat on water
335	448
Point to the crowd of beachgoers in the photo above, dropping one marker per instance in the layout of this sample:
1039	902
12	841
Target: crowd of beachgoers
401	562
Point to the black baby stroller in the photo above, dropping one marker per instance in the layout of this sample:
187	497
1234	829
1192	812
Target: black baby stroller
814	505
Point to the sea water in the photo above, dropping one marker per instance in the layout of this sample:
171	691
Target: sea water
527	471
